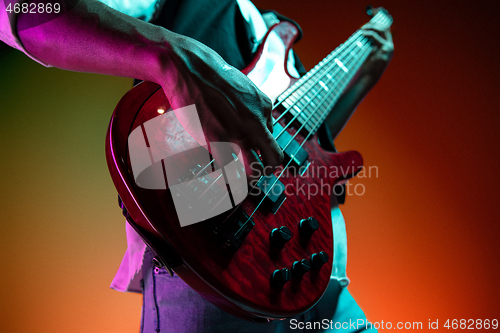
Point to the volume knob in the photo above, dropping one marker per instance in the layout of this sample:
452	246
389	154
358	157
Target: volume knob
299	268
308	226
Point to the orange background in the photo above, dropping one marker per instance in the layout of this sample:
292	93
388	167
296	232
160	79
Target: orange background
423	239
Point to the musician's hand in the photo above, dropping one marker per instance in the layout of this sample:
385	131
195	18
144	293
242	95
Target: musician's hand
231	108
382	53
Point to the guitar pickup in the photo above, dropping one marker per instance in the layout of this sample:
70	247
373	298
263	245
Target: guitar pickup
274	192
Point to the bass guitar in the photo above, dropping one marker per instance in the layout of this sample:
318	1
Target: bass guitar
263	253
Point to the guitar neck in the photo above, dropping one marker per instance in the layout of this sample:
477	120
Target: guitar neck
312	97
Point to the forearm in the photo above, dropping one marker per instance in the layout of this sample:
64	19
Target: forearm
92	37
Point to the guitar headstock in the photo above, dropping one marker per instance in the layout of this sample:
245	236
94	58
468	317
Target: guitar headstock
379	15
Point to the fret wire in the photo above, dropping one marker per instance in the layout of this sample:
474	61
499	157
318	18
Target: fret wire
319	95
305	79
336	93
310	75
318	123
298	113
330	110
330	60
382	20
362	59
301	105
379	19
333	100
333	89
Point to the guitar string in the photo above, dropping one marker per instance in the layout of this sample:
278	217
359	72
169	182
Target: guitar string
315	71
332	90
303	80
365	41
343	82
353	39
312	72
318	123
332	97
362	58
333	63
360	61
327	71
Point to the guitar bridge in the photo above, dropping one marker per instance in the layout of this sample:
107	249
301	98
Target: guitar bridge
234	229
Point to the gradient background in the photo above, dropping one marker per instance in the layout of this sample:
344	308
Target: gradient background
423	240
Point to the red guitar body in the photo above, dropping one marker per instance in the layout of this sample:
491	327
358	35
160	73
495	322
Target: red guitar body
238	281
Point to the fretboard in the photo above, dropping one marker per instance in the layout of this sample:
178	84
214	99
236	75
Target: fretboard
312	97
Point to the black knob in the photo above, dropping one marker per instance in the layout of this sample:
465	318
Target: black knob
299	268
319	259
370	10
280	236
308	226
157	262
281	276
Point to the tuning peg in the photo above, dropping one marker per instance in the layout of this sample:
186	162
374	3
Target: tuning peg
369	10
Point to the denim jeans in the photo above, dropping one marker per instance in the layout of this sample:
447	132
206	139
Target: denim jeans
169	305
